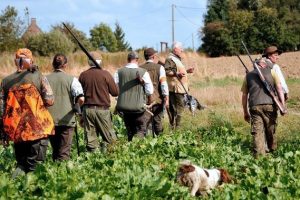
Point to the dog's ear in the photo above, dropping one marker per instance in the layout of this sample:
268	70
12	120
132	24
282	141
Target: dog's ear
225	177
186	168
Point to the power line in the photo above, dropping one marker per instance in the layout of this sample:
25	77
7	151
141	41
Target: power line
187	19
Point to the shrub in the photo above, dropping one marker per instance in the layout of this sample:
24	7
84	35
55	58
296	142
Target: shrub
47	44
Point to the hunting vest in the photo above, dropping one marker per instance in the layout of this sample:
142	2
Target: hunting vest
62	109
154	72
132	97
25	117
258	94
173	82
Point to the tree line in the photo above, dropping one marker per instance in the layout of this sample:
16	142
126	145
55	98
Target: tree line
258	22
58	39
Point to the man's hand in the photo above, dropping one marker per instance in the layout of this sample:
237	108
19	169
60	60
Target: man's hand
190	70
286	96
166	101
180	74
247	117
81	121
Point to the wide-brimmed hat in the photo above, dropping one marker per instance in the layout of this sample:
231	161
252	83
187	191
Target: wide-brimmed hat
271	50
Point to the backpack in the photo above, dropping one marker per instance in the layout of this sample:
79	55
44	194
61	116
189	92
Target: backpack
25	117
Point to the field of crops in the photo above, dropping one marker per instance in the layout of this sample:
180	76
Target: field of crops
146	169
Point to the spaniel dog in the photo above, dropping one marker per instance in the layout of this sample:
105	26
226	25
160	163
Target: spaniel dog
201	180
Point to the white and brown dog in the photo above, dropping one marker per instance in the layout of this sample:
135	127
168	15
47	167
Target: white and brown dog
200	180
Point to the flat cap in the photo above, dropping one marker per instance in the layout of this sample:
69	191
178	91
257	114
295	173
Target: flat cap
149	52
132	55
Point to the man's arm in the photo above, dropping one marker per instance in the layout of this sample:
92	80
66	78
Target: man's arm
148	87
112	86
77	91
244	90
164	85
245	107
278	86
3	137
46	92
281	78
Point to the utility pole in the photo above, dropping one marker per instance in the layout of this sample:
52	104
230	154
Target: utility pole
193	42
27	15
173	21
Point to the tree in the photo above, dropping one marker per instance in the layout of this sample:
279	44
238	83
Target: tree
217	40
102	37
11	28
239	28
47	44
79	34
120	37
259	23
217	10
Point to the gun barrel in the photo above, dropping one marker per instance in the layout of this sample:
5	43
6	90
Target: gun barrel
82	47
247	71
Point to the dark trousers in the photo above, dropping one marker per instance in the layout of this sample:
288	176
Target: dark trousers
29	153
156	120
176	105
136	124
61	142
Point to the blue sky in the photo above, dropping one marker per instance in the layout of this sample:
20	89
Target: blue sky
145	22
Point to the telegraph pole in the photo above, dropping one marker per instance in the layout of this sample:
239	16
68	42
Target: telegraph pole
27	15
173	24
193	41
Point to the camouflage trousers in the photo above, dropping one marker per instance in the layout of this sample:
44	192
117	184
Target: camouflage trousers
263	125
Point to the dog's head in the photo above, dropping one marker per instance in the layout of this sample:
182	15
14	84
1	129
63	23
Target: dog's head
224	176
184	176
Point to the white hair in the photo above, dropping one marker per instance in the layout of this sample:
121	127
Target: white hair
177	44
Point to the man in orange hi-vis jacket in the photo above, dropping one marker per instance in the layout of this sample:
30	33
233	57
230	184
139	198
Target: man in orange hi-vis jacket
25	96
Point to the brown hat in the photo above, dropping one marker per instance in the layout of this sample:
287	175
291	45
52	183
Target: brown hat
149	52
271	50
25	52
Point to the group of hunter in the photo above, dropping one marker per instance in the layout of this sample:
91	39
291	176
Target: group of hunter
37	108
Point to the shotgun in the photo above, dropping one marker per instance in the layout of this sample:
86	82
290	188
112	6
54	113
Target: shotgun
82	47
271	90
247	71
